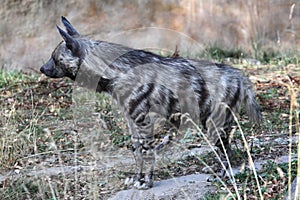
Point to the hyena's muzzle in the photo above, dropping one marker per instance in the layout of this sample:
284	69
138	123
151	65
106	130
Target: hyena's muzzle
50	70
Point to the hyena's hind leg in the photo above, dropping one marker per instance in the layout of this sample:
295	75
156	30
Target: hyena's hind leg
219	126
144	153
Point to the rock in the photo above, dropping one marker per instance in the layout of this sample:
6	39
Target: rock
186	187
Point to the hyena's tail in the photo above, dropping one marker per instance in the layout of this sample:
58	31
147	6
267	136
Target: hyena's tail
252	107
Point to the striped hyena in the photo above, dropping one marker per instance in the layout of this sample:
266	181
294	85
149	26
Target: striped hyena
147	86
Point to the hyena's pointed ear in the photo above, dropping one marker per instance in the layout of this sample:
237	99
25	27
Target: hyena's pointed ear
71	42
70	29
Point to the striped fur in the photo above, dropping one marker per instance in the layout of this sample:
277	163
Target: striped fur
147	87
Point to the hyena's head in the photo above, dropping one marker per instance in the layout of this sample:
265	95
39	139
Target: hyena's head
67	56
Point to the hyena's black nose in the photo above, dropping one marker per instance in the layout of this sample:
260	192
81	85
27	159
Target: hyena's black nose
42	69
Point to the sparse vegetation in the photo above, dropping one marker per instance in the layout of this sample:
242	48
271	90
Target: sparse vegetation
217	53
44	148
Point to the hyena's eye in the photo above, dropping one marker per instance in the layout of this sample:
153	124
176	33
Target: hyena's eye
58	61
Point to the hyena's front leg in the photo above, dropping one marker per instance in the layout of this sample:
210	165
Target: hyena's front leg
144	153
145	160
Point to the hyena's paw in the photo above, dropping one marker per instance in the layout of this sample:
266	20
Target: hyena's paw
137	183
218	173
142	185
129	181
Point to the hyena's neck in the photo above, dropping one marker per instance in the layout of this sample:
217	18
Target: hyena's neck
101	66
101	59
